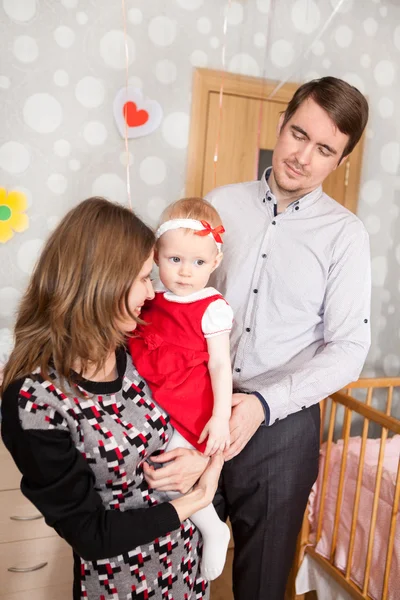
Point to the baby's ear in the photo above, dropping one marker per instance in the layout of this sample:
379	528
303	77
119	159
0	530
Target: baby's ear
217	260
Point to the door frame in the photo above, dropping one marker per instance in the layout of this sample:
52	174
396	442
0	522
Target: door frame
207	81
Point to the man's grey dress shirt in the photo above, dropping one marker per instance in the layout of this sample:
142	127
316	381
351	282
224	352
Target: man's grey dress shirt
299	284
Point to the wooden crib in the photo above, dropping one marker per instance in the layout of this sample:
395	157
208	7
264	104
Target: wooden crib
350	484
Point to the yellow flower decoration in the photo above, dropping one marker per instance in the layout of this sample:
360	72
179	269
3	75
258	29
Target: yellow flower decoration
12	217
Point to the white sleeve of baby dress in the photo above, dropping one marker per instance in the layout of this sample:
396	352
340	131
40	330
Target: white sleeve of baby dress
217	319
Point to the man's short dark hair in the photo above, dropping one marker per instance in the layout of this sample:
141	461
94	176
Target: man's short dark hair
344	103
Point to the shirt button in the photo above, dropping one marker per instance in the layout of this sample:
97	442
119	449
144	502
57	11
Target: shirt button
365	320
273	222
237	370
263	256
255	291
296	208
247	329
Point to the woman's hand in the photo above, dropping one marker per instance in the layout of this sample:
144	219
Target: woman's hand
180	474
208	482
203	493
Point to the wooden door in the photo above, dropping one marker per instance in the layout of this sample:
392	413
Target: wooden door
245	110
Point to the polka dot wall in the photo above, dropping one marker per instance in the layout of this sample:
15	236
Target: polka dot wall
63	62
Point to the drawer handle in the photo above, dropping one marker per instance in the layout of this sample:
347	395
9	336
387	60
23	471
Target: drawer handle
27	569
32	518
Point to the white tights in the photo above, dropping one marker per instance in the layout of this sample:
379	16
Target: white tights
215	532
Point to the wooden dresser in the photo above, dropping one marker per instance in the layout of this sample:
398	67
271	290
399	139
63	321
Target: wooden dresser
35	563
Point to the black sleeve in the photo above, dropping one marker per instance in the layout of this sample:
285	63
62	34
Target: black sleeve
59	482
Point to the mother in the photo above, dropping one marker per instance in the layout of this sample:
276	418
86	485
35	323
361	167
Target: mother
80	423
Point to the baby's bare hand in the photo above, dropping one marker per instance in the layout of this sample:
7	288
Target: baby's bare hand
217	432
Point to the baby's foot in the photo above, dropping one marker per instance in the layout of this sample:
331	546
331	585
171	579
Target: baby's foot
215	547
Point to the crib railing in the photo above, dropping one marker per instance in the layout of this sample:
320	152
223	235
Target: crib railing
387	423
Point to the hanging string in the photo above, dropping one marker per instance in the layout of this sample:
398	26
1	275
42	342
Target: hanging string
307	52
303	42
282	83
260	114
221	93
128	179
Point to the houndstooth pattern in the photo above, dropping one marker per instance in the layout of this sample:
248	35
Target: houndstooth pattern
115	434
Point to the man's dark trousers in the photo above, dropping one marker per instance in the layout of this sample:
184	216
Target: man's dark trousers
264	491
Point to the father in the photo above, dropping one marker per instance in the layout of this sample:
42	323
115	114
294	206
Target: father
296	272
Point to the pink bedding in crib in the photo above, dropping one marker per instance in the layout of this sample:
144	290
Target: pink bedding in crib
391	462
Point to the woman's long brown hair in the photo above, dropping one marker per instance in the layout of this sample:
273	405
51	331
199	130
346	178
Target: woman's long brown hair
78	290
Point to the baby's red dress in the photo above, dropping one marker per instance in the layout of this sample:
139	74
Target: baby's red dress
170	353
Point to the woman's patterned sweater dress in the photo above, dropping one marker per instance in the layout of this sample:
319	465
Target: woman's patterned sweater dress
82	466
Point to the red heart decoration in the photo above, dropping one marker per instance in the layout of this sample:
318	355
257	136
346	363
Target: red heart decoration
133	116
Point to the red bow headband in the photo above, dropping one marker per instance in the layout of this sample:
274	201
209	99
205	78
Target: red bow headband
208	229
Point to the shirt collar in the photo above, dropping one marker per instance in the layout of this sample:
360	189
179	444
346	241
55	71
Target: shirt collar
301	203
207	292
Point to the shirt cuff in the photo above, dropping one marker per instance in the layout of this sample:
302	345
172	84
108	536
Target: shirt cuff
265	406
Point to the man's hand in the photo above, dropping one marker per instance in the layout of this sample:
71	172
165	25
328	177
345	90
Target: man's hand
247	416
184	468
